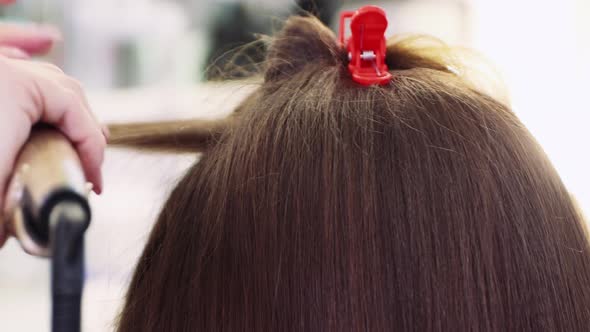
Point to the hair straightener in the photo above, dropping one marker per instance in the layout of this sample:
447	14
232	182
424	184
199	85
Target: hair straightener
47	210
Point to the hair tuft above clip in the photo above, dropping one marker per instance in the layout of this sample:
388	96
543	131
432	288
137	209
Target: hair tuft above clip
366	46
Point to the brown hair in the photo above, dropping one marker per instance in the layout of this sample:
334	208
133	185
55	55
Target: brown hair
321	205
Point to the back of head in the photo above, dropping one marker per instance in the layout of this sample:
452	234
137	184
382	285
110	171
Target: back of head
423	205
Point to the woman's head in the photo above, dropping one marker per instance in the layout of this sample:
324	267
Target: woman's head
324	205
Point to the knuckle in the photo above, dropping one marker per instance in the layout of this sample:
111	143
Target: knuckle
70	96
52	67
72	101
74	84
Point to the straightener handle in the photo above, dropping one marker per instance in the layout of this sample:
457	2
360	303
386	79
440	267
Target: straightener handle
47	171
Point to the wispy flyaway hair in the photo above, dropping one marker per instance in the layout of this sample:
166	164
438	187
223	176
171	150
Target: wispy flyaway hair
322	205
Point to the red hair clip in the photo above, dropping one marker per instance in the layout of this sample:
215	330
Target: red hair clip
366	46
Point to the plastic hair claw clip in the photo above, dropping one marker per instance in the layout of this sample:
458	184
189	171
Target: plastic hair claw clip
366	46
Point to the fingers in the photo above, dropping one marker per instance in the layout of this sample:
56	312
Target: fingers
106	132
76	86
68	110
42	92
32	92
32	39
60	101
90	160
15	122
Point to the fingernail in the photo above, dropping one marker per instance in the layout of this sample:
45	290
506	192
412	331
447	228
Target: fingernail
98	185
106	132
97	190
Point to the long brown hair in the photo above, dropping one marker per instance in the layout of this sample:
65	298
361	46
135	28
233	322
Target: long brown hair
321	205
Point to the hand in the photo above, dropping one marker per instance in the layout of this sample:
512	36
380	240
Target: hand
32	92
21	41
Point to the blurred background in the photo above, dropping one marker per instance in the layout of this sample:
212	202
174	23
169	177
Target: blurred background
157	59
